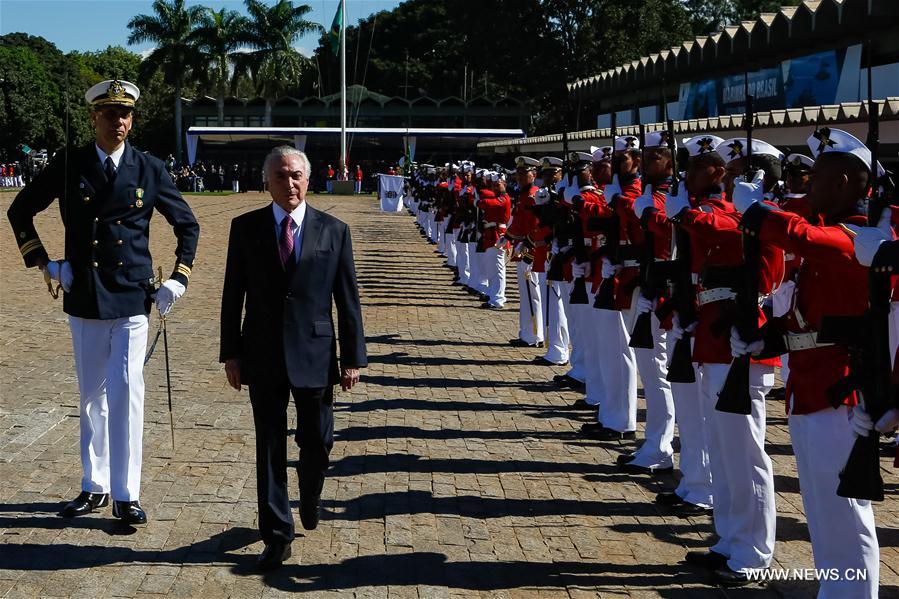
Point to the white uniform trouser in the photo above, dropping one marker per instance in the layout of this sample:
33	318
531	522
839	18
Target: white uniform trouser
592	338
495	266
479	263
692	425
462	261
619	371
742	475
431	225
575	332
556	322
451	246
652	364
781	303
841	530
109	362
441	235
894	329
526	323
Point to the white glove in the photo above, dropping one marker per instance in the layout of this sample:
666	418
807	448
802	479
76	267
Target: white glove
570	192
889	421
868	239
860	421
675	204
61	272
644	201
644	305
580	269
519	247
541	198
738	347
611	189
500	242
677	331
609	270
167	295
746	194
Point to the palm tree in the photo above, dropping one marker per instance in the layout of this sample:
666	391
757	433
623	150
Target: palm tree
219	36
274	64
169	28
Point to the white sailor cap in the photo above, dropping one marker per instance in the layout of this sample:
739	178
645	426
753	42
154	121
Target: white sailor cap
480	173
735	148
626	142
601	154
112	92
467	167
550	163
798	161
701	144
657	139
826	140
580	160
526	162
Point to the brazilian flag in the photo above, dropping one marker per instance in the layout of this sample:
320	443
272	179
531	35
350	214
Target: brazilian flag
336	26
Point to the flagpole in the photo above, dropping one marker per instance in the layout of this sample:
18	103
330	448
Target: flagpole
343	164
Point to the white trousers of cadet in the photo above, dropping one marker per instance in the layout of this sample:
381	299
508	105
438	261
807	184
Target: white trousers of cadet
432	226
696	481
592	338
894	329
474	265
495	267
462	259
574	317
527	324
841	530
619	371
652	364
109	362
441	235
742	475
556	322
451	247
781	303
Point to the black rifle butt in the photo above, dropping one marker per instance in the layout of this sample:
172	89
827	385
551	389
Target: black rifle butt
605	295
734	395
578	292
641	336
680	367
861	478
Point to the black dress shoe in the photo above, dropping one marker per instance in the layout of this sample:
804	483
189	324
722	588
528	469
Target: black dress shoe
710	560
607	434
637	469
625	458
274	554
563	380
669	499
129	512
541	361
687	510
85	503
310	510
582	404
591	428
730	578
522	343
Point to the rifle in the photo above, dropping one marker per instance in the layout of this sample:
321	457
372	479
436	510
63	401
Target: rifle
605	295
734	396
579	287
867	340
683	296
641	335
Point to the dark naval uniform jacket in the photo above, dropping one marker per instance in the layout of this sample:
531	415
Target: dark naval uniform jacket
287	333
107	228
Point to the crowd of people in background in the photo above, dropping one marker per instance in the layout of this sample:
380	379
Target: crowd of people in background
11	175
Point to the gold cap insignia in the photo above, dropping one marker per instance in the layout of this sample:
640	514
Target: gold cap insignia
736	149
139	203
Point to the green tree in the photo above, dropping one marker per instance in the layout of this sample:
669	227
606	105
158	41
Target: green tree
175	56
708	16
219	36
274	64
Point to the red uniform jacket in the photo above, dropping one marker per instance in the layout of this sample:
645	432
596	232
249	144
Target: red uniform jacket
830	282
801	207
495	212
526	227
715	241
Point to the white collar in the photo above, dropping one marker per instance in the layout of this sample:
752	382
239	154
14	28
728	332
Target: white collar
116	154
298	214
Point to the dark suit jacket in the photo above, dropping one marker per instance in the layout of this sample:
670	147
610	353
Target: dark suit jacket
287	328
107	228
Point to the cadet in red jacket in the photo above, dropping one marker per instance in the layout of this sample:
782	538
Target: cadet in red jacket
842	530
496	210
742	474
556	336
522	232
616	361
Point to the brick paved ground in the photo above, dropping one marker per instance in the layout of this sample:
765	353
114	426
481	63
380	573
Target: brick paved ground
457	469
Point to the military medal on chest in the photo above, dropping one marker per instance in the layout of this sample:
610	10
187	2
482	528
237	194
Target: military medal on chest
139	192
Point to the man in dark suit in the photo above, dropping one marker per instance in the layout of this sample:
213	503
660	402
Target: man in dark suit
107	193
286	263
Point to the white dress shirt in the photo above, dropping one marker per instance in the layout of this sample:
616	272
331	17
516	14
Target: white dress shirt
116	155
299	216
